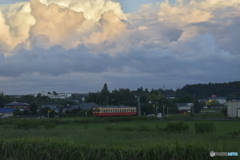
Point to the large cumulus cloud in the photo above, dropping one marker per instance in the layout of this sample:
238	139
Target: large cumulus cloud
183	42
47	23
54	25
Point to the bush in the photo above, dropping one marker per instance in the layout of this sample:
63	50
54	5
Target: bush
49	125
110	128
26	124
204	127
143	128
176	127
234	133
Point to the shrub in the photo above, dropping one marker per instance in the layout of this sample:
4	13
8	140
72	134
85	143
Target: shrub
143	128
110	128
49	125
234	133
204	127
158	128
176	127
26	124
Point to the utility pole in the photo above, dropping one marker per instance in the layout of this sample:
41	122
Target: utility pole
83	99
167	111
2	99
139	110
163	110
156	108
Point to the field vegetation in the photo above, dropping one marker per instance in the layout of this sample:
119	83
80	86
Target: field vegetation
116	138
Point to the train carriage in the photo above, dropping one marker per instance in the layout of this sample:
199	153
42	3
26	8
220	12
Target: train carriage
114	111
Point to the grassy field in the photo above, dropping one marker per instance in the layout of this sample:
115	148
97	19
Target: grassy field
131	136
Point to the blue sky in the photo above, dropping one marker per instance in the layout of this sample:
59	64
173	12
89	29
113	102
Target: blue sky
88	43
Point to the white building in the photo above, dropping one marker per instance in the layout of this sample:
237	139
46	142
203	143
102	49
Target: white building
233	108
185	107
59	95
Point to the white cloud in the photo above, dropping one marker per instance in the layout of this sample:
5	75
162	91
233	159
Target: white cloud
54	25
178	43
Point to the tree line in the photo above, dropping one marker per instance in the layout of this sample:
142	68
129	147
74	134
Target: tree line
229	90
124	96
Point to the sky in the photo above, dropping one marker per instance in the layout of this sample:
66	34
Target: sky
76	46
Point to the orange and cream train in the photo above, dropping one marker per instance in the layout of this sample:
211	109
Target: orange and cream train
114	111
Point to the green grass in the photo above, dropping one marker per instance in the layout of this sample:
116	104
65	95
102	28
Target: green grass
142	136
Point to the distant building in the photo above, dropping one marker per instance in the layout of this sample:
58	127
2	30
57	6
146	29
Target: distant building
233	108
56	96
83	106
220	100
185	107
16	105
88	106
6	112
52	107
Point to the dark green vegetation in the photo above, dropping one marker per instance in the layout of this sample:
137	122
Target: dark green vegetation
187	94
200	91
204	127
139	138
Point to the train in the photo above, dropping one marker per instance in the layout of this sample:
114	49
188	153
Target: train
114	111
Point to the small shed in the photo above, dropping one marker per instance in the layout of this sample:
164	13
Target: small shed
6	112
233	108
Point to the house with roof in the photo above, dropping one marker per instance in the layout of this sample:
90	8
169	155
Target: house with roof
52	107
6	112
83	106
185	107
16	105
220	100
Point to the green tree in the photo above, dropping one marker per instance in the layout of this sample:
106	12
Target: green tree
1	102
33	108
105	94
55	93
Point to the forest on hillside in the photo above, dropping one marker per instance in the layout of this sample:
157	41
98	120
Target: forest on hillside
230	90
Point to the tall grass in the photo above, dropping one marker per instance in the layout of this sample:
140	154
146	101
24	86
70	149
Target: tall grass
45	149
204	127
176	127
27	124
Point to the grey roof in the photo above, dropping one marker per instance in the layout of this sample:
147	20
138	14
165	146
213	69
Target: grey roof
50	106
88	106
185	104
76	106
117	107
217	98
16	104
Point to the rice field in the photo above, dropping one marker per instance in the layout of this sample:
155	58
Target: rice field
138	139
